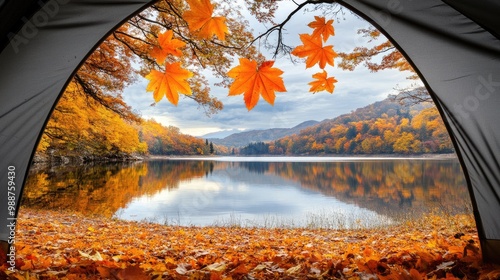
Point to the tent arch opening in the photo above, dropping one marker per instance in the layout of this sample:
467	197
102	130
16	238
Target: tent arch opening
455	54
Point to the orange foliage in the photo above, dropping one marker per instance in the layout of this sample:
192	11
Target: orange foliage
322	82
391	57
105	248
169	83
315	52
369	131
254	81
200	19
82	127
322	28
167	45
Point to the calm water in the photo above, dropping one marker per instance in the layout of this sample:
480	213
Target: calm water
326	192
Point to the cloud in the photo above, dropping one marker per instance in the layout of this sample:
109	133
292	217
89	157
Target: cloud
354	89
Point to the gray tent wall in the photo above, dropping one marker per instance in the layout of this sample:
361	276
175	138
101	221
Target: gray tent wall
459	61
454	49
35	67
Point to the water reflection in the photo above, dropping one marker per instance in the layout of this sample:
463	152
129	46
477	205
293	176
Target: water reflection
200	192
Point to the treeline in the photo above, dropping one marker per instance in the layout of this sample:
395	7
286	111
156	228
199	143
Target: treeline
169	140
381	128
84	129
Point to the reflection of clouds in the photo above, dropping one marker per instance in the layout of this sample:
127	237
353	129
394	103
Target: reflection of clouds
241	188
238	191
201	185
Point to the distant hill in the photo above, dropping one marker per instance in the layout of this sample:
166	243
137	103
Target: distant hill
220	134
265	135
384	127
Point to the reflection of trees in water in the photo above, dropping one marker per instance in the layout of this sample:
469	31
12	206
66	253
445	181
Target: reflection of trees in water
256	167
103	189
383	186
386	187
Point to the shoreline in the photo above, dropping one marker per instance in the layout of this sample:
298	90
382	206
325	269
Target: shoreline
38	162
340	157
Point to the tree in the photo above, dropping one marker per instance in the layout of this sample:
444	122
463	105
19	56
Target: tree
177	41
212	151
202	34
87	131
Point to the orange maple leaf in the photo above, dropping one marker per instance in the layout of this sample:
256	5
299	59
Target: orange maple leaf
322	82
170	83
253	81
200	18
313	49
167	46
322	28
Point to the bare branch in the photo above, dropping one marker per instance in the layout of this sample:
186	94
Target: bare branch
410	97
281	47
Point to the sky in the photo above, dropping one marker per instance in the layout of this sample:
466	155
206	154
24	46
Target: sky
353	90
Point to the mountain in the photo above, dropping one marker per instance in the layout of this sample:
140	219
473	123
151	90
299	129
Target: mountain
220	134
384	127
265	135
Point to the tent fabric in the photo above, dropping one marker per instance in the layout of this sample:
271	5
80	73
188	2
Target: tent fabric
453	45
459	61
35	67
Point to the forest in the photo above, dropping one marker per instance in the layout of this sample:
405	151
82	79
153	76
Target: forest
384	127
81	128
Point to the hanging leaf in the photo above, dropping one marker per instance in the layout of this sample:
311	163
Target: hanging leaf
313	49
167	45
253	81
200	19
322	28
169	83
322	82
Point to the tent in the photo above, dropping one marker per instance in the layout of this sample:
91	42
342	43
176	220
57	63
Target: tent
453	45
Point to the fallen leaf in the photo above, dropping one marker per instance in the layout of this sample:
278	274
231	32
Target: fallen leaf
103	271
181	269
132	273
95	257
294	270
217	267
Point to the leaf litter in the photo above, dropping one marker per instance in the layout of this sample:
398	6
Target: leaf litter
55	245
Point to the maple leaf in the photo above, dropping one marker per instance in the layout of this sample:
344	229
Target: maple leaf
167	46
200	18
170	83
322	28
313	49
322	82
253	81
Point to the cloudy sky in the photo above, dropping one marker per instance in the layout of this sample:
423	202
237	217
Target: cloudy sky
353	89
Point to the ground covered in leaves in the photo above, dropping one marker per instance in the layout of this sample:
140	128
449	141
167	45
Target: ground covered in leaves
54	245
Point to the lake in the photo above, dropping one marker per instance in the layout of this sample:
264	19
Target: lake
322	192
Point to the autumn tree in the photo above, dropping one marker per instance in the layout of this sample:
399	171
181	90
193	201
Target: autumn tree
213	36
176	42
88	131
